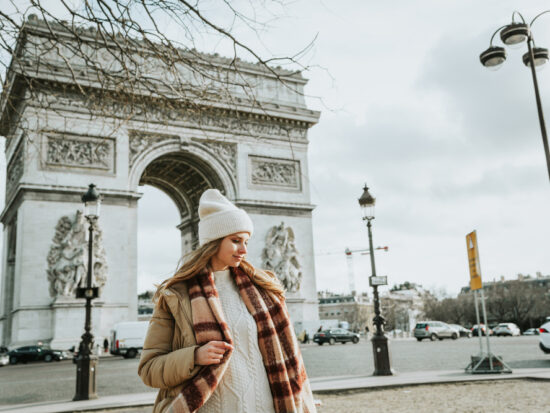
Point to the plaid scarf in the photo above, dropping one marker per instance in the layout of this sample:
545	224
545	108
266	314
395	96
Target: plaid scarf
280	352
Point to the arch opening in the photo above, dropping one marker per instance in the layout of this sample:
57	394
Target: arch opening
183	177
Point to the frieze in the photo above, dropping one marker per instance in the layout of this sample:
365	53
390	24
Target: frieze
62	150
274	172
228	121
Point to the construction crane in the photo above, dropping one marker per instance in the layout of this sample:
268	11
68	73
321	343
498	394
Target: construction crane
349	260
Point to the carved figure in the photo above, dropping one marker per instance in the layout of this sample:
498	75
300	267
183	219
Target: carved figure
281	256
68	257
281	173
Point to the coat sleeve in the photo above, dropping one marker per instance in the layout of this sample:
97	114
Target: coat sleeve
160	366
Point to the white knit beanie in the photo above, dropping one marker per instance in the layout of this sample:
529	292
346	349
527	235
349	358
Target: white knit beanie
219	217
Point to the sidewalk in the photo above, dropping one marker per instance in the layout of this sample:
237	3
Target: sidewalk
320	384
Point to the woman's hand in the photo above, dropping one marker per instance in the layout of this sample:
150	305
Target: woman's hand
211	353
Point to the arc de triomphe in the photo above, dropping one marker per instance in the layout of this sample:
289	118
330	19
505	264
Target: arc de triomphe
258	158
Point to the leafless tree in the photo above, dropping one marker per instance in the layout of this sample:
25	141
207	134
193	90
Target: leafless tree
117	58
518	302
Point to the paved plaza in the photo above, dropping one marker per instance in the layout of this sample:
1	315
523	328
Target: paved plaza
41	382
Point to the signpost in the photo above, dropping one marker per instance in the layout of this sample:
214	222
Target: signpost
485	362
378	280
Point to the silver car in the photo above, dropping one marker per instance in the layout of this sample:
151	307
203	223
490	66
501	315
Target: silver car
434	330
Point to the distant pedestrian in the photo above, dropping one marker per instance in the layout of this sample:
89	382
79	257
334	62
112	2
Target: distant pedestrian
320	329
366	331
105	345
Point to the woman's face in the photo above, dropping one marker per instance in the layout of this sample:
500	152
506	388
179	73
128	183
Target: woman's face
231	252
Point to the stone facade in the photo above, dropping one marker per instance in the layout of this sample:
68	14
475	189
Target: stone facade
57	145
356	310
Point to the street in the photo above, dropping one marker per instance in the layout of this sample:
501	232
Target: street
41	381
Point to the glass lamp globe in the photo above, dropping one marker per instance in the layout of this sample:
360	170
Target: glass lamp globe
92	202
367	202
540	55
514	34
493	57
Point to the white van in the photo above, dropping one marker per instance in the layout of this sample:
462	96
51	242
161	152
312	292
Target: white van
127	338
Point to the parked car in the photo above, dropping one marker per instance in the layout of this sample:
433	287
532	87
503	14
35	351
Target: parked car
434	330
4	358
531	332
544	337
35	353
462	332
483	332
335	335
506	329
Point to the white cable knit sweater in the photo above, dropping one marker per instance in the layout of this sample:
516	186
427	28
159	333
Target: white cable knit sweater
244	387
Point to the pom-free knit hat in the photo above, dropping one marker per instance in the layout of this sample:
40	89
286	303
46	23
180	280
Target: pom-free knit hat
219	217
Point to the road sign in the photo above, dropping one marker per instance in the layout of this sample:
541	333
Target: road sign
378	280
473	261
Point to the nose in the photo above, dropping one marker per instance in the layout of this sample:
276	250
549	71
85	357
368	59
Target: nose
242	249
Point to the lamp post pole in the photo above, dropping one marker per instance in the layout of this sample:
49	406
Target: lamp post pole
86	366
380	348
513	34
539	103
379	341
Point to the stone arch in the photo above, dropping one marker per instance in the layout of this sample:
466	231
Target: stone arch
195	155
183	172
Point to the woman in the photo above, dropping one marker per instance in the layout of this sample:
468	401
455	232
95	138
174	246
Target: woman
220	338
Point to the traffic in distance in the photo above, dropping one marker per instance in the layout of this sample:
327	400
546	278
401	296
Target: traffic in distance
438	330
127	339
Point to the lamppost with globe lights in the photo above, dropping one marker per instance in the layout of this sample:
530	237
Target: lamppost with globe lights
514	34
86	366
380	348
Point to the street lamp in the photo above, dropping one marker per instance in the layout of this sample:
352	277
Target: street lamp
512	35
379	340
86	366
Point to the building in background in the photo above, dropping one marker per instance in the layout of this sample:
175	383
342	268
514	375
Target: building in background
402	307
540	281
354	309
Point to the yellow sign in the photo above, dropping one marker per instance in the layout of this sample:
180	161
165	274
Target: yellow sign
473	261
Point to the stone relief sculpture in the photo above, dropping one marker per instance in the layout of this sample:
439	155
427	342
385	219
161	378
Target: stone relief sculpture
68	257
227	153
89	152
281	256
140	141
282	173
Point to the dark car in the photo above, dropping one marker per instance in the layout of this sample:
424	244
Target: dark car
335	335
35	353
475	329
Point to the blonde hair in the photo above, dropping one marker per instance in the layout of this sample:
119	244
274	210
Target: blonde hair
200	259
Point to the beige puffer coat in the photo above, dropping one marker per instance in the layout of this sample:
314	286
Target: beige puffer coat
168	356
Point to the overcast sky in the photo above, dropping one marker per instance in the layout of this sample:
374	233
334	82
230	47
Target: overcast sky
445	145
